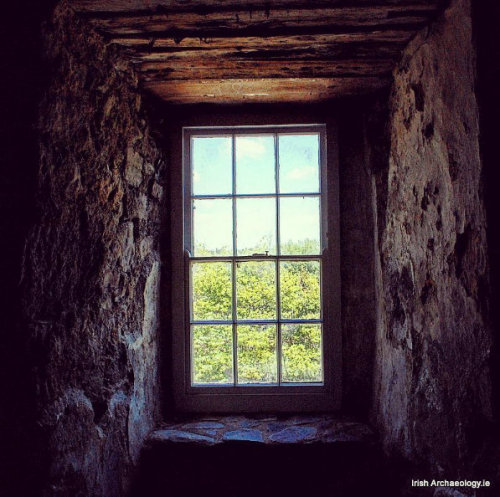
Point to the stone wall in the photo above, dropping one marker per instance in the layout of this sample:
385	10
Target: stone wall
91	268
432	384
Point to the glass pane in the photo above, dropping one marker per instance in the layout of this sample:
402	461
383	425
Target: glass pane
256	290
211	159
212	227
299	225
212	291
256	225
212	354
300	289
255	165
301	352
299	163
257	354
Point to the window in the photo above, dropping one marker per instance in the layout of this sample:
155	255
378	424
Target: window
258	285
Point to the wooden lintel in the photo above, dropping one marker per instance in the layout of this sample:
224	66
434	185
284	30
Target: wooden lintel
227	69
263	90
269	42
332	52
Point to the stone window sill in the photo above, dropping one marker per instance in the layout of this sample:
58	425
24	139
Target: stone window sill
268	430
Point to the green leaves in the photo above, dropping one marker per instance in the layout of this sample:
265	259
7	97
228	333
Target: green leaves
212	292
212	352
300	289
256	288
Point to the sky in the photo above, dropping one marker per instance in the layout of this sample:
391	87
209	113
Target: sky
255	174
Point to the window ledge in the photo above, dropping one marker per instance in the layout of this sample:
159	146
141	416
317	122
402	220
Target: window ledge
269	430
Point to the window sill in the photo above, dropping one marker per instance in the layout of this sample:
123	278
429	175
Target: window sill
260	430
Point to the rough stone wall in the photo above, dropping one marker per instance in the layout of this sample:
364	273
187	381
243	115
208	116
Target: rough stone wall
433	342
91	269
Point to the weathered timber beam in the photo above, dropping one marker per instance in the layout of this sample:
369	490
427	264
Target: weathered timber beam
263	90
105	7
330	52
262	23
268	42
227	69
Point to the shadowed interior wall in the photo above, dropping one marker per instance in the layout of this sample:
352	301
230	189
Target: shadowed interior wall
19	97
357	239
92	265
432	381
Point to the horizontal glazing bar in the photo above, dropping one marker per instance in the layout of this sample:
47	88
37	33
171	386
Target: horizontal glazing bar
256	195
236	388
303	129
259	321
258	257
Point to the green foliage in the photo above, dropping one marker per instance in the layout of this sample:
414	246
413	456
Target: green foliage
212	291
256	299
212	353
256	290
257	354
300	290
301	346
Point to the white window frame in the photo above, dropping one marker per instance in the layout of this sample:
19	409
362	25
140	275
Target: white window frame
297	397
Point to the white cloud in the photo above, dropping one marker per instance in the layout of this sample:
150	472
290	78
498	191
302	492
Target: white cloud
250	147
301	172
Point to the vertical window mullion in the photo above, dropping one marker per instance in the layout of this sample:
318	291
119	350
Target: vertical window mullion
278	253
322	238
189	236
233	277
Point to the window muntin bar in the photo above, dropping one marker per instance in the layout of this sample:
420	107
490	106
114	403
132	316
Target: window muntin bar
272	255
256	195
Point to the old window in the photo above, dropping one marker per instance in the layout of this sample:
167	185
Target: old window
258	286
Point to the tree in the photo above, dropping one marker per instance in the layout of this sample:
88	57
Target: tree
256	299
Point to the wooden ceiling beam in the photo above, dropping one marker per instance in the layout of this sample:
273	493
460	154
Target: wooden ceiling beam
369	38
103	7
323	53
265	23
207	70
281	90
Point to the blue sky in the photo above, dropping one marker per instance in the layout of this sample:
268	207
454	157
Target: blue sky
255	173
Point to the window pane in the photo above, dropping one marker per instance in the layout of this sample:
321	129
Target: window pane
212	227
301	352
256	225
299	163
255	165
212	354
257	354
212	165
300	290
256	290
299	225
212	291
